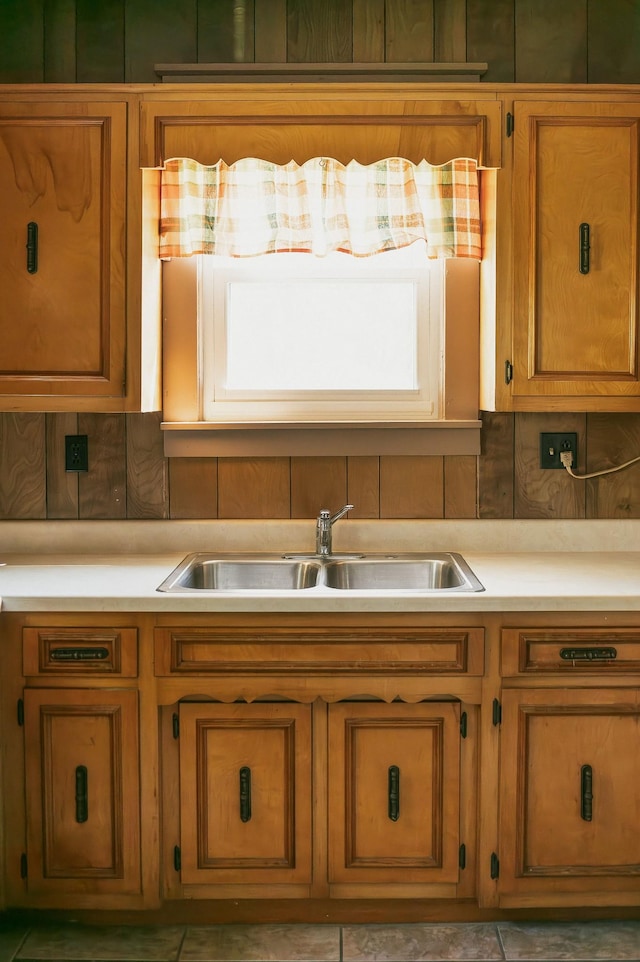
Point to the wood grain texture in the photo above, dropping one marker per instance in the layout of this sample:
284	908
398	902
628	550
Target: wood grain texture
551	41
546	493
495	466
491	38
270	26
158	36
317	483
411	487
225	32
368	31
319	31
103	489
193	488
21	41
409	31
613	439
59	41
614	41
363	486
253	488
460	483
62	485
100	41
22	466
450	31
147	471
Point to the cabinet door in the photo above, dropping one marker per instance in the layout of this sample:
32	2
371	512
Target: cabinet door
62	193
81	750
576	254
245	793
569	801
394	792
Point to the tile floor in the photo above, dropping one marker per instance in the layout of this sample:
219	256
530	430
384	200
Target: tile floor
433	942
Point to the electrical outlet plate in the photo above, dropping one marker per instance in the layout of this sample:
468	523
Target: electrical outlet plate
76	452
553	444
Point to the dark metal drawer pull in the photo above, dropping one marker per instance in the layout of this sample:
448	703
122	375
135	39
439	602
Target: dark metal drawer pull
78	654
586	793
82	794
585	247
588	654
245	793
32	247
394	793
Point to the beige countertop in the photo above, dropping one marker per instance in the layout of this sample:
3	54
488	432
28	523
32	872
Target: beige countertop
118	566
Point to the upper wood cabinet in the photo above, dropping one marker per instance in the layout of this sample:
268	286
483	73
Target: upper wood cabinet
575	256
63	176
302	123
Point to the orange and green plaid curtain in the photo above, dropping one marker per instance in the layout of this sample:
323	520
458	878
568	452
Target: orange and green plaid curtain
255	207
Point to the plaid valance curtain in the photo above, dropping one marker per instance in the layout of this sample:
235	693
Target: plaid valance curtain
255	207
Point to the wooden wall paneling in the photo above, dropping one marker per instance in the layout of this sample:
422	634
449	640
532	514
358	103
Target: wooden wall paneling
363	486
613	439
62	486
544	493
368	31
450	31
490	38
21	41
495	466
254	488
22	466
614	41
100	41
460	486
411	487
270	30
193	488
225	32
409	31
147	470
319	31
317	483
59	41
551	41
102	489
158	33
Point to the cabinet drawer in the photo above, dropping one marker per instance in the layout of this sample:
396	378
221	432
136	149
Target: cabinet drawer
319	651
582	650
80	651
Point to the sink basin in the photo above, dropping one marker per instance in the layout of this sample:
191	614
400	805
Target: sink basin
200	572
435	572
444	571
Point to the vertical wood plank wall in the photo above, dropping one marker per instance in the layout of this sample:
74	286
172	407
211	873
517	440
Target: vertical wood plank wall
528	41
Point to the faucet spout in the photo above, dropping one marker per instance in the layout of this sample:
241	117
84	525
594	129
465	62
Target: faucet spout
324	525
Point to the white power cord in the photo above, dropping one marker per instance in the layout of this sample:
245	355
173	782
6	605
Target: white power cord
566	457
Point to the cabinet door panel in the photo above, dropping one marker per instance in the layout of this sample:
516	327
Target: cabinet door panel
82	791
576	327
63	168
245	793
394	783
563	828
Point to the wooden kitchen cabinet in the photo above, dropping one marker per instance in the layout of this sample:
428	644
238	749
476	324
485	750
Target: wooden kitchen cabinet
82	794
63	193
575	256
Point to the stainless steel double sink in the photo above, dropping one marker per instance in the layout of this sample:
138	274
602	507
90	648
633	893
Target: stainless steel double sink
215	573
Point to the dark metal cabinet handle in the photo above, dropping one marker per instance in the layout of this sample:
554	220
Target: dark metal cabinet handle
607	653
32	247
82	794
245	793
586	793
585	247
79	654
394	793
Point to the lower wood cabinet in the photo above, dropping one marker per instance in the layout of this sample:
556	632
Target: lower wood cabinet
569	800
82	792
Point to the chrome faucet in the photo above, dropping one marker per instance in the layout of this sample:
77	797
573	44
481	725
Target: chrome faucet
324	524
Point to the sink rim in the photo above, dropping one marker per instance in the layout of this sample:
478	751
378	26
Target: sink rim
469	580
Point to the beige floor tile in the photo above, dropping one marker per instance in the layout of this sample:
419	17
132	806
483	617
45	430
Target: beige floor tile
570	940
261	943
102	943
420	943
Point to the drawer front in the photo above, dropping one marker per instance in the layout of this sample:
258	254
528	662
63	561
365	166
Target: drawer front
528	651
80	651
307	651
